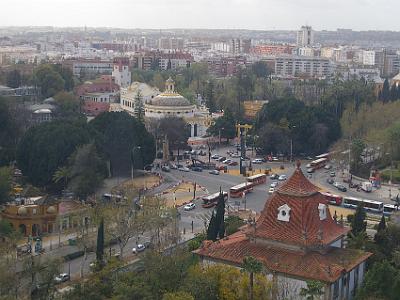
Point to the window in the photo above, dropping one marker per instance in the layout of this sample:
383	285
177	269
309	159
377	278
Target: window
284	213
322	211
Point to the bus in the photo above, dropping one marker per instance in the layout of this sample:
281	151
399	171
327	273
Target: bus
113	197
239	190
257	179
388	209
212	200
333	199
324	155
318	164
369	205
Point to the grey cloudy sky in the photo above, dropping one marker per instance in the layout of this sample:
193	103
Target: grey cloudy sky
231	14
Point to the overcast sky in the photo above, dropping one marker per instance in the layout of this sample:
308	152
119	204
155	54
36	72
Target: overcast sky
231	14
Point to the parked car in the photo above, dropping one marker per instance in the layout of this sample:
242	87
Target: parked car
282	177
235	155
138	248
227	161
189	206
332	174
63	277
341	188
215	156
173	166
197	169
214	172
166	169
221	159
330	180
328	167
336	184
274	176
257	161
274	158
245	158
183	169
233	163
310	170
271	190
220	168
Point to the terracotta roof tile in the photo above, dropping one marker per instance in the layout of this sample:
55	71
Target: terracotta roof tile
312	265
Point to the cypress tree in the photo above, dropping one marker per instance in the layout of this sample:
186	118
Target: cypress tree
358	224
220	216
393	92
385	91
100	242
212	230
382	224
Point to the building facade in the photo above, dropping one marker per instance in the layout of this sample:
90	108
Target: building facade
296	240
317	67
121	74
305	36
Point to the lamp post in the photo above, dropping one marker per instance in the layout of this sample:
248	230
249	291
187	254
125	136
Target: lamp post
291	142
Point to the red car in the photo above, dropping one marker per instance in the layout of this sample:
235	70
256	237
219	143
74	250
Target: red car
233	163
219	168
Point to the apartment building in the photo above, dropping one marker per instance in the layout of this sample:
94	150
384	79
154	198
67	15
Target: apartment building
303	65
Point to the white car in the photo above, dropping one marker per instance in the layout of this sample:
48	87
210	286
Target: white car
235	155
184	169
257	161
190	206
62	278
215	156
271	190
274	184
336	184
282	177
274	158
227	161
138	248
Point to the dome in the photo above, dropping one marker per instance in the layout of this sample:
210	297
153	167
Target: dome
169	100
22	211
51	210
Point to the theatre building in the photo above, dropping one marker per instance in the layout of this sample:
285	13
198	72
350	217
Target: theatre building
296	240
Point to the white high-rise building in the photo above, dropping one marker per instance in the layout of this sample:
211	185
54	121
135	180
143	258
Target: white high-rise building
305	36
368	57
121	74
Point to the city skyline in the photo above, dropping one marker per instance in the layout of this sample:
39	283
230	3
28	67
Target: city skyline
218	14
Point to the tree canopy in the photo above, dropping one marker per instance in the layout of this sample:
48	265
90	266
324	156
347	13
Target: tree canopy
119	134
47	146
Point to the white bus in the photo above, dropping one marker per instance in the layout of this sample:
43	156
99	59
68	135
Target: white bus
369	205
388	209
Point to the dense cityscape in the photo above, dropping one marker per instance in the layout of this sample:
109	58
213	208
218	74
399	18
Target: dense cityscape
199	164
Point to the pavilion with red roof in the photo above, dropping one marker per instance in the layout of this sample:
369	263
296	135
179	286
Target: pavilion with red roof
296	239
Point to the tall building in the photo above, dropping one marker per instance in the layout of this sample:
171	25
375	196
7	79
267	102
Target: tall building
238	46
121	74
296	239
293	66
305	36
368	57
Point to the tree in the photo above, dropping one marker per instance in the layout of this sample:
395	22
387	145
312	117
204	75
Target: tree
139	107
357	148
382	223
385	93
177	296
14	79
232	224
393	93
48	79
5	184
212	229
224	125
62	174
176	130
313	291
69	105
210	96
260	69
358	224
100	243
273	139
252	266
46	147
118	134
9	132
219	217
86	170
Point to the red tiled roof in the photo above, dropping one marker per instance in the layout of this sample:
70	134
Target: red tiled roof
313	265
304	228
95	108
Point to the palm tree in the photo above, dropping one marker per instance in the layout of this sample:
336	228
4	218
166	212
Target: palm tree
251	265
313	290
62	173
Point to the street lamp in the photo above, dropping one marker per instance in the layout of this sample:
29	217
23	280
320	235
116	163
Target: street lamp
132	159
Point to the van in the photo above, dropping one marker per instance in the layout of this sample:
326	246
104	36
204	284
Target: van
366	186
